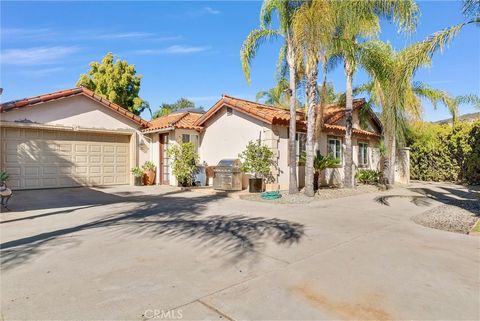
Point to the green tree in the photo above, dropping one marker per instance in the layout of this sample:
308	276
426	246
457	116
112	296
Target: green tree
285	10
277	96
392	87
355	21
185	159
182	103
115	80
257	159
313	30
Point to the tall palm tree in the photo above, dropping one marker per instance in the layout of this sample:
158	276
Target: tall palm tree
392	87
313	30
285	10
358	20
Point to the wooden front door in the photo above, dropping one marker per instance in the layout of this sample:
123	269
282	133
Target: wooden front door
164	162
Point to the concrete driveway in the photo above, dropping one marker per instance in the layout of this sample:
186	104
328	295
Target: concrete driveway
128	253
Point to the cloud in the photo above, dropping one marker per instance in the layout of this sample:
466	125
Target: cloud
209	10
121	35
36	55
26	33
172	50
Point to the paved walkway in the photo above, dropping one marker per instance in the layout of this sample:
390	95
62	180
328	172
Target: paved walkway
130	253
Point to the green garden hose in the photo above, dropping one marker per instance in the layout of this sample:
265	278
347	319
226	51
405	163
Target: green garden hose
270	195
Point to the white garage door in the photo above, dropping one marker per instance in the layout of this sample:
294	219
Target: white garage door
38	158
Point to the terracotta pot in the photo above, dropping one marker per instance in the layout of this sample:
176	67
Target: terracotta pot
272	187
149	178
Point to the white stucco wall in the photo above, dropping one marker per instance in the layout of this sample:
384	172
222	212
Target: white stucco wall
227	136
83	112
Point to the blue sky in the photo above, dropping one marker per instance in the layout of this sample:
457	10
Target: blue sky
190	49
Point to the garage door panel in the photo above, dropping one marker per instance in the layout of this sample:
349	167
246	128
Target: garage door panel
37	158
32	171
122	150
31	182
81	148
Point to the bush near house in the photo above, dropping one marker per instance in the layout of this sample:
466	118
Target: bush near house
367	176
185	160
445	153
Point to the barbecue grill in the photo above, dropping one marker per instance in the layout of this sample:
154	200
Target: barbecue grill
228	176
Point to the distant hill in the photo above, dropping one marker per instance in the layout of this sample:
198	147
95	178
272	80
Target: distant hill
466	117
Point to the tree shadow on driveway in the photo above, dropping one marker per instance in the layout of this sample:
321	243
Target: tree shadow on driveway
467	200
174	217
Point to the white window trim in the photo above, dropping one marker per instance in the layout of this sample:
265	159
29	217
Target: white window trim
360	158
340	141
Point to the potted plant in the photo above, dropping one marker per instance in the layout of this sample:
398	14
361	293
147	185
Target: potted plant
149	173
257	161
138	174
3	179
185	162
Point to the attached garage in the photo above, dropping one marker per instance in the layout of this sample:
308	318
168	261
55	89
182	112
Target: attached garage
74	141
39	158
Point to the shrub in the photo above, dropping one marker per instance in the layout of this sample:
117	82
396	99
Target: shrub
367	176
137	171
257	160
185	159
442	153
149	166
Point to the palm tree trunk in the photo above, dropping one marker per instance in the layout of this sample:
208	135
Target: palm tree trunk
348	183
292	148
391	156
311	106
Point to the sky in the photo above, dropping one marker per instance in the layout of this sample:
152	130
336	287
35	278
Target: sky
191	49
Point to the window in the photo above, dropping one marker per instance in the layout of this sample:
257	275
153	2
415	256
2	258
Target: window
335	148
362	154
190	138
185	138
301	144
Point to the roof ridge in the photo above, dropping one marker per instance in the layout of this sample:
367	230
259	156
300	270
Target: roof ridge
59	94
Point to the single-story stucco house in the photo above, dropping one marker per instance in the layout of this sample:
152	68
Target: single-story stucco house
75	137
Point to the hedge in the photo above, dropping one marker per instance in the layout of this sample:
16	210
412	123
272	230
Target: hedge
445	153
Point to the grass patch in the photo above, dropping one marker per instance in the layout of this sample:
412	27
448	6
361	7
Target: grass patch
476	227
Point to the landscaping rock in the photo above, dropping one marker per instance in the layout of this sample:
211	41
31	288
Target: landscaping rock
321	194
457	217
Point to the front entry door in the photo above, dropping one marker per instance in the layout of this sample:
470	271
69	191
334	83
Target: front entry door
164	164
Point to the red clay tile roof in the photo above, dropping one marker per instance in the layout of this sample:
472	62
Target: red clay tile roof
266	113
185	120
33	101
275	115
357	131
334	112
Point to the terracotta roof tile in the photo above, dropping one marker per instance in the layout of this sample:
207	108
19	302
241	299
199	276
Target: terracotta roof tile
185	120
33	101
356	131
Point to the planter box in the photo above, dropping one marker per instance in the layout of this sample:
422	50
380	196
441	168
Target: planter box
272	187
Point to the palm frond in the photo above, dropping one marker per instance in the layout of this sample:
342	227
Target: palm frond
471	8
250	47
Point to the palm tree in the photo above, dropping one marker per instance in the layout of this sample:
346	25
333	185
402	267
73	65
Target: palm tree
285	10
313	30
436	96
356	20
277	96
392	87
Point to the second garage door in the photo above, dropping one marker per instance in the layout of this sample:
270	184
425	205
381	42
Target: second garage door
39	158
